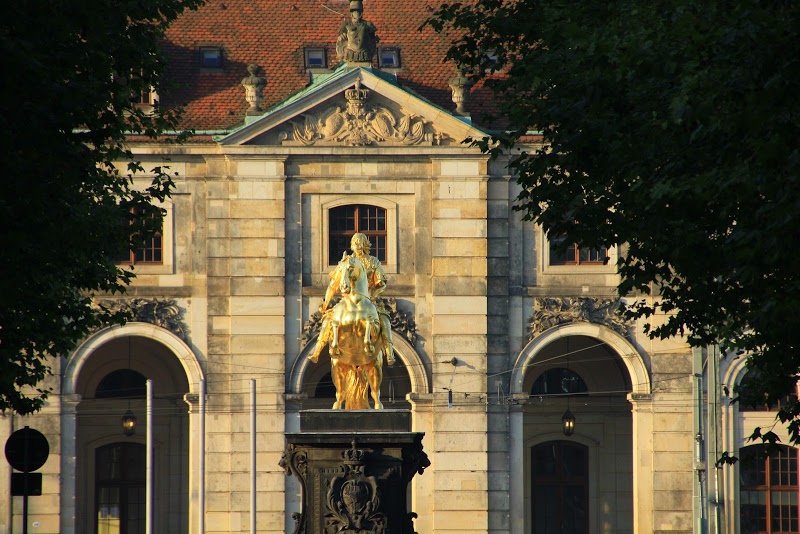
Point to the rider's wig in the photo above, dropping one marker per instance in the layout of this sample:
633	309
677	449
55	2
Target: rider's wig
364	241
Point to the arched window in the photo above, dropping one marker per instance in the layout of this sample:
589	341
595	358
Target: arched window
768	490
344	221
560	483
120	489
559	381
122	383
745	390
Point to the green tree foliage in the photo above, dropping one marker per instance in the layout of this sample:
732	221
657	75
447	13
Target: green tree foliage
69	69
669	126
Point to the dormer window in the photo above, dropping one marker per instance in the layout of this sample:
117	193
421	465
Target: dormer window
211	57
389	58
315	58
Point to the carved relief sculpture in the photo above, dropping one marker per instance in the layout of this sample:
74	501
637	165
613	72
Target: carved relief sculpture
555	311
161	312
356	330
353	500
362	125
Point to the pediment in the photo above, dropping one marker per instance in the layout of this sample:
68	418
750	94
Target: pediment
354	107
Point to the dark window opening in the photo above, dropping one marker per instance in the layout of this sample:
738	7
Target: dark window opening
211	57
575	255
315	58
122	383
559	381
143	251
345	221
768	490
752	401
389	58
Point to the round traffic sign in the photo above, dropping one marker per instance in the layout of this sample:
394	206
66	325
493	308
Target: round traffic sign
27	450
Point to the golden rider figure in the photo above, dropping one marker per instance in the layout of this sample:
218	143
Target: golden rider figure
360	246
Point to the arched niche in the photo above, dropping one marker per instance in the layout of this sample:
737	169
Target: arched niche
404	352
627	353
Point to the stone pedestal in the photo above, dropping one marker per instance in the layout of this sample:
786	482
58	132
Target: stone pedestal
354	467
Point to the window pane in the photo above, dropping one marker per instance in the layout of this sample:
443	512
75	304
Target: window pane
558	381
574	510
344	221
768	491
545	508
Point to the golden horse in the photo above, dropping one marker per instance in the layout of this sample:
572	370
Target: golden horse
353	335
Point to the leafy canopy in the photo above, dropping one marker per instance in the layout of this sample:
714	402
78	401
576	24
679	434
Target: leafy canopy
69	70
669	126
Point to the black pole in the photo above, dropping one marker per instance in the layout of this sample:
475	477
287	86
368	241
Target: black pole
25	486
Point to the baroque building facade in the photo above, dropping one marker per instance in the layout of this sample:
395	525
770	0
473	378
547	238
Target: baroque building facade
498	336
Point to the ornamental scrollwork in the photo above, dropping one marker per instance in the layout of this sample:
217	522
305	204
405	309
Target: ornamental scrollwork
361	125
402	322
549	312
353	500
294	462
165	313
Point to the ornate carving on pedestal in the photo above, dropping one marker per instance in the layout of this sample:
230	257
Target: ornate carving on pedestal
554	311
295	463
353	500
161	312
402	322
362	125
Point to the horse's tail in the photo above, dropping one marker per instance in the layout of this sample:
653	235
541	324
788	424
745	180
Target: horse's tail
357	384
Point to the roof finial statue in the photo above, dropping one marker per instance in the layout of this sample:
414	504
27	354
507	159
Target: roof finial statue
356	40
254	89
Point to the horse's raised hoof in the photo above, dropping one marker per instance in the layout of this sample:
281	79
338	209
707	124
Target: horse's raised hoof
390	360
313	358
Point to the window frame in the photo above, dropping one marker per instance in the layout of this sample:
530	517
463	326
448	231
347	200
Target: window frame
202	49
576	251
768	488
149	247
167	264
561	482
307	53
391	264
395	52
548	268
125	485
372	235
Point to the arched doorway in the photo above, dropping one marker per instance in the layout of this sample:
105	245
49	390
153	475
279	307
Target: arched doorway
107	378
577	480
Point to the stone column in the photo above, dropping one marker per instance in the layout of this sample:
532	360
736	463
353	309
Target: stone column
69	428
459	327
643	463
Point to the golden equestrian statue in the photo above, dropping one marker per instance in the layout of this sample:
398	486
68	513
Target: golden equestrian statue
356	330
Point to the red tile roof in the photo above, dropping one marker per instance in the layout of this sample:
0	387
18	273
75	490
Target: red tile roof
273	35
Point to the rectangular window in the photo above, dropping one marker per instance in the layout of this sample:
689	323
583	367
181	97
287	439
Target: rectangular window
345	221
211	57
574	255
389	58
315	58
144	252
